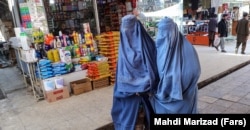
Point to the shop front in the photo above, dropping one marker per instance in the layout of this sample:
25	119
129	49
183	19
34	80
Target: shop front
74	44
196	20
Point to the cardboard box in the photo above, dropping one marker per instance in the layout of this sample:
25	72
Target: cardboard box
57	94
81	86
99	83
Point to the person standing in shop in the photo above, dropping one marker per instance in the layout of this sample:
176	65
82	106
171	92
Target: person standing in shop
212	26
242	31
222	32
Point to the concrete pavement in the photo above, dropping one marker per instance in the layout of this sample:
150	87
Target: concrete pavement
89	111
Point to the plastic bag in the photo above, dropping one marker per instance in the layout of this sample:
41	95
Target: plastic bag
59	69
60	64
46	69
44	62
216	40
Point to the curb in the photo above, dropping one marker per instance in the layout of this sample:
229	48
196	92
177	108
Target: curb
214	78
201	84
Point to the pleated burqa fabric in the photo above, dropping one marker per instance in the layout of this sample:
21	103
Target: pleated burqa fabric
179	70
136	73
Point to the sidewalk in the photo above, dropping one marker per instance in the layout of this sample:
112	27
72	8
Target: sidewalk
91	110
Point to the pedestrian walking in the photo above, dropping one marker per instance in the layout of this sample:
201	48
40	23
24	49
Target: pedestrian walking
222	32
242	31
136	75
212	26
179	70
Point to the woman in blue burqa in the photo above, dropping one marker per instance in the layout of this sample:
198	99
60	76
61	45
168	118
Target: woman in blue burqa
179	70
136	74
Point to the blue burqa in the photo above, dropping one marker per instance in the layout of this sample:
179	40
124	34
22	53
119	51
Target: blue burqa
179	70
136	73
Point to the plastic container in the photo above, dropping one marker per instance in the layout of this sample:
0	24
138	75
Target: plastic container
49	85
59	82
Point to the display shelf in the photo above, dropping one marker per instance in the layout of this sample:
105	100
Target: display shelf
111	12
63	11
35	85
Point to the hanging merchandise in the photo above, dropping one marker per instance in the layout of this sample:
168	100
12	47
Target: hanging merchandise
25	15
35	36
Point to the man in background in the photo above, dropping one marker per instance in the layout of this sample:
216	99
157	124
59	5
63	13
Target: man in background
222	32
242	31
212	25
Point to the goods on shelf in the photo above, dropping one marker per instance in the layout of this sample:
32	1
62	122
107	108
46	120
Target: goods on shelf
48	69
45	69
70	12
108	44
25	15
111	13
59	68
98	69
